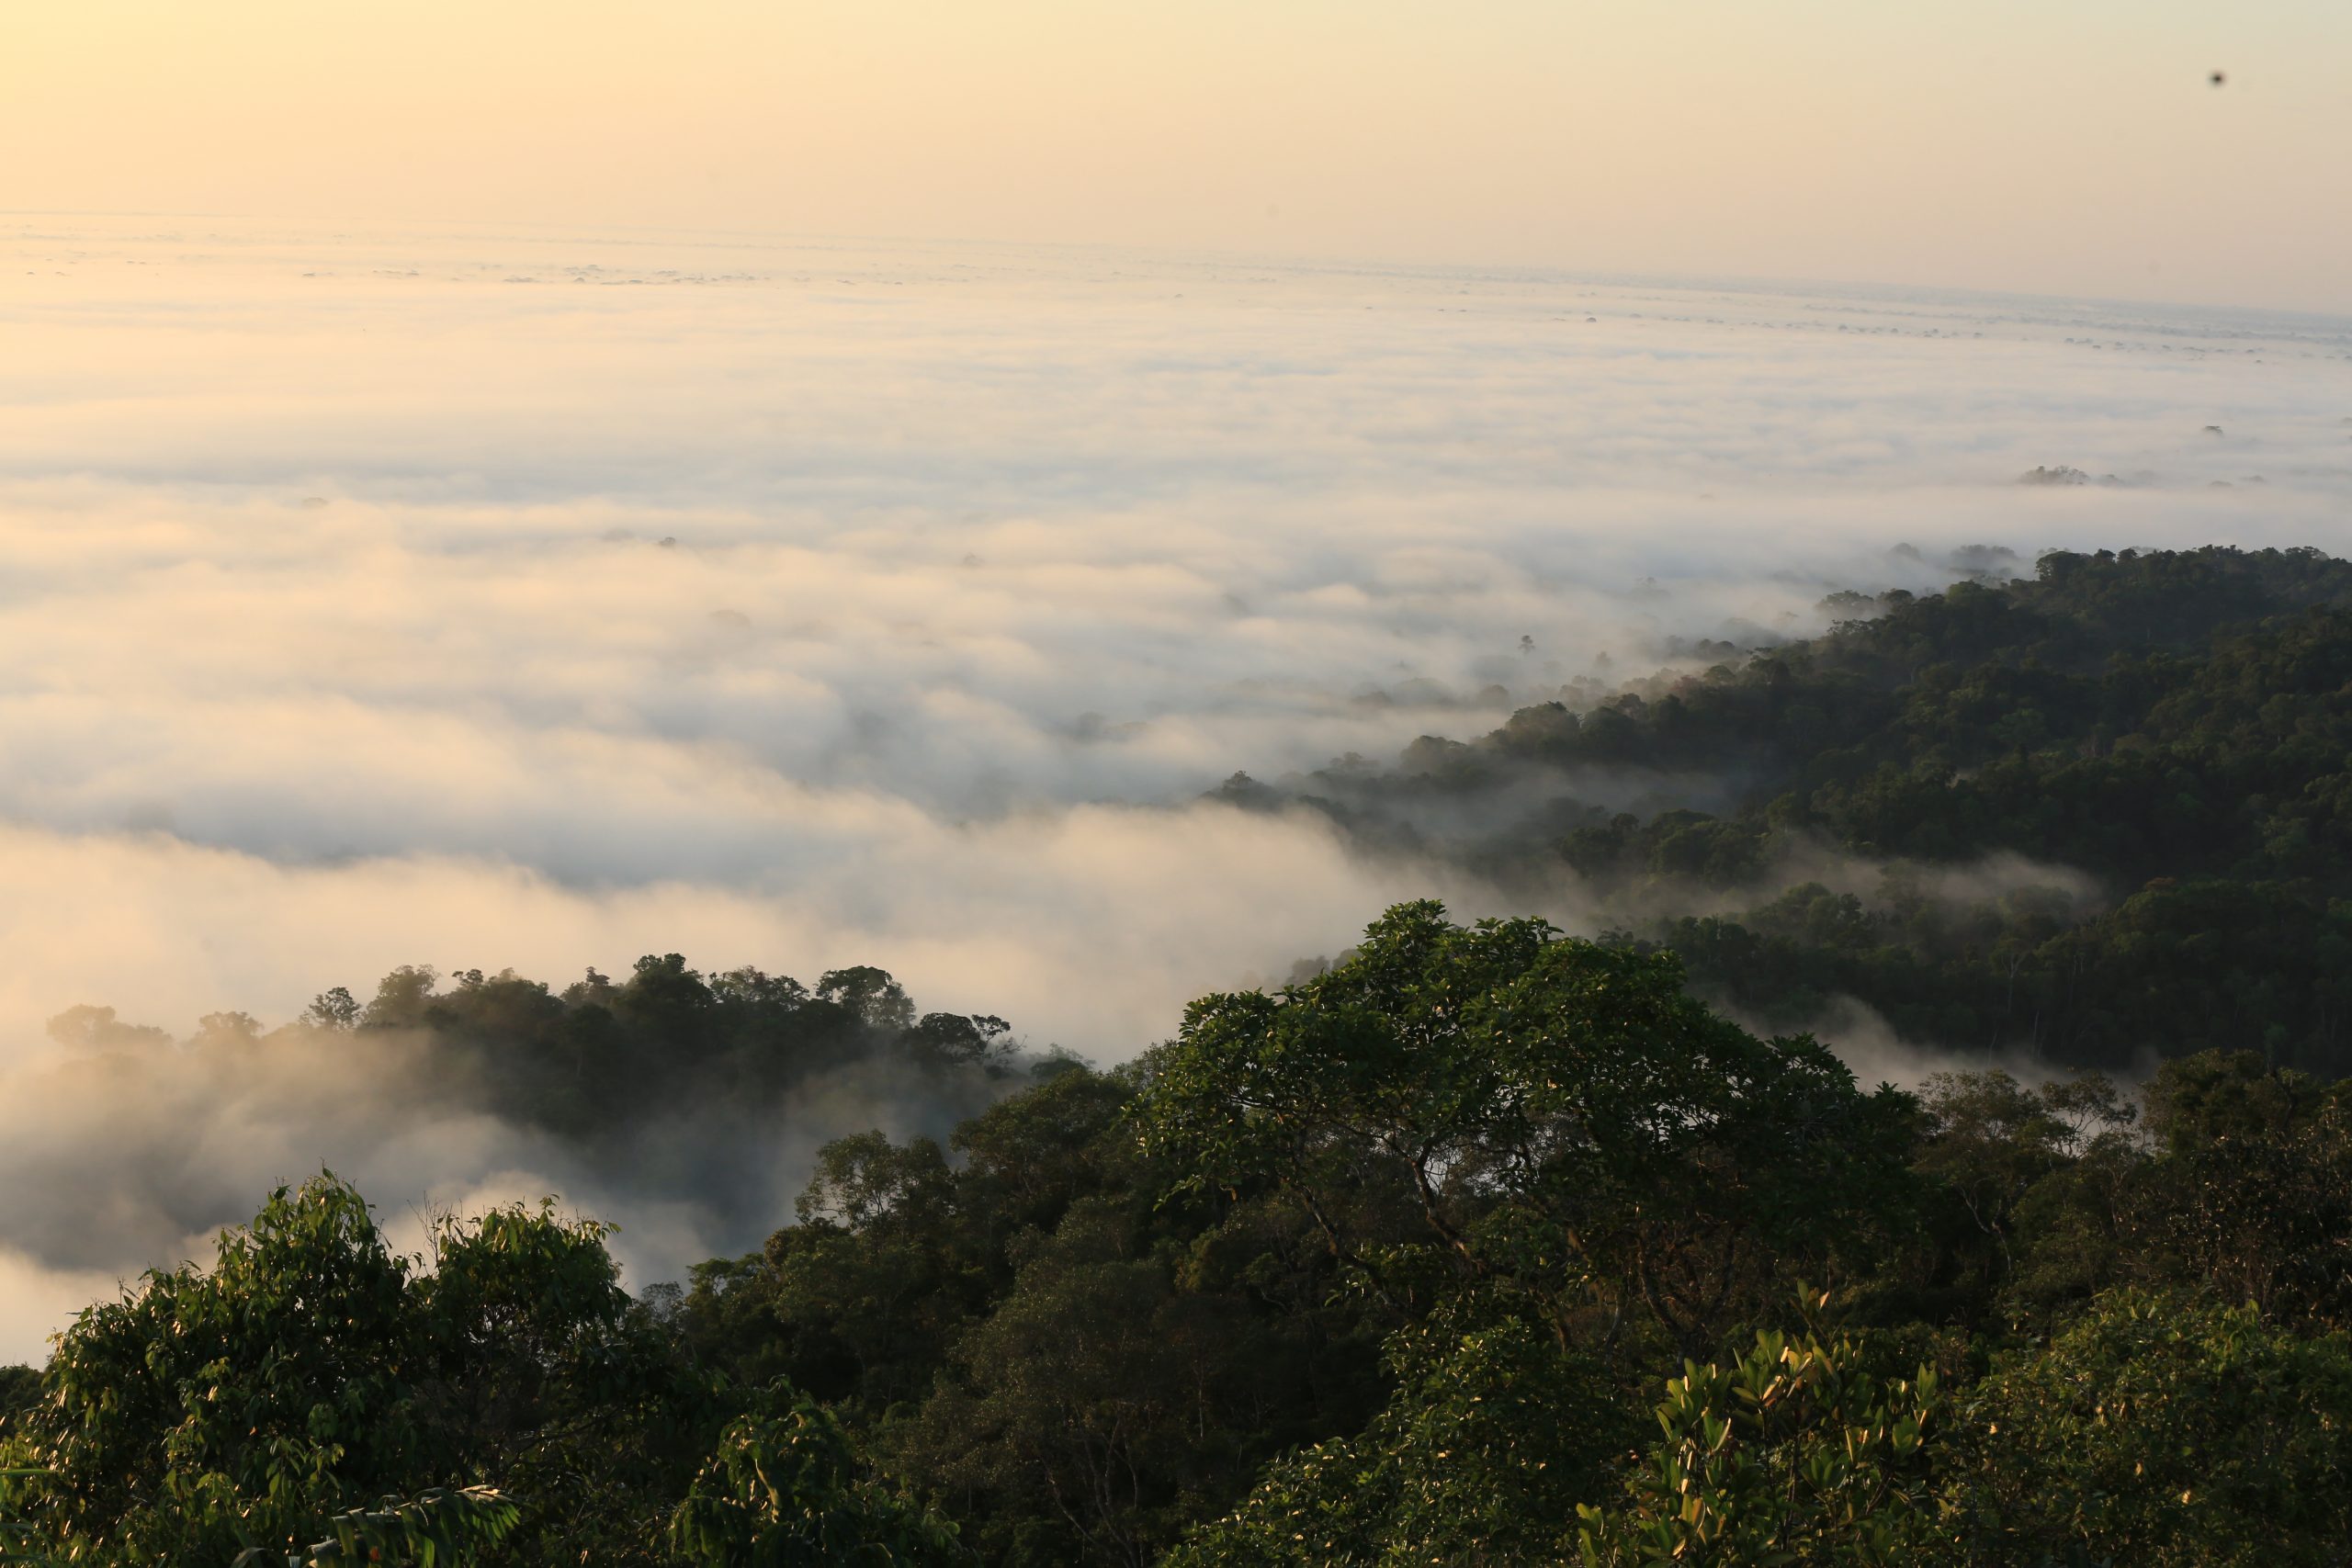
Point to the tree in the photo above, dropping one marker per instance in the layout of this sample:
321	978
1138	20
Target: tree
948	1039
402	998
1992	1147
878	1001
1568	1126
334	1008
311	1384
2253	1193
211	1412
20	1389
1491	1439
866	1281
786	1490
533	1367
436	1525
1097	1396
226	1030
1793	1452
2163	1430
97	1029
2195	1102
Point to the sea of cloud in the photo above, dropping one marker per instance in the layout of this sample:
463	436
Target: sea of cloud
489	598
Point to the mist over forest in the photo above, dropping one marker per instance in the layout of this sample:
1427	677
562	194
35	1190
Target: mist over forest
1139	882
2081	820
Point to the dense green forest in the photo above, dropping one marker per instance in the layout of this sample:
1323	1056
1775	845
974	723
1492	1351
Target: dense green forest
1487	1245
597	1059
2154	748
1482	1244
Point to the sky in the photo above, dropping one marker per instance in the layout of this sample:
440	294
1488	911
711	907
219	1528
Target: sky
2068	147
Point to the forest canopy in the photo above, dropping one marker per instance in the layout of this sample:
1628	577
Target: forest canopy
1487	1244
2093	817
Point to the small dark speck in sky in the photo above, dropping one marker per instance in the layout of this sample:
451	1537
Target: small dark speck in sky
2218	77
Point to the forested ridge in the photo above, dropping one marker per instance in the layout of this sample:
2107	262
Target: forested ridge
2163	739
1483	1244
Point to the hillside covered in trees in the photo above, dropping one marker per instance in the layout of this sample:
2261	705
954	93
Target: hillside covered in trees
1480	1245
2094	817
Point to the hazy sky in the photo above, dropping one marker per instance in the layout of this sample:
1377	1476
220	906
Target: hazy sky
2067	146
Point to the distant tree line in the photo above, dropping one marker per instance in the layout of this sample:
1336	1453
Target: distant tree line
2176	725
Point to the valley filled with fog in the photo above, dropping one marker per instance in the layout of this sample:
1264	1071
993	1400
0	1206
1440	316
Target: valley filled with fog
497	598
